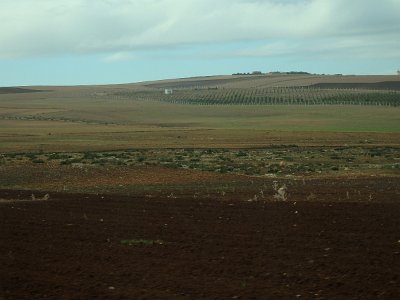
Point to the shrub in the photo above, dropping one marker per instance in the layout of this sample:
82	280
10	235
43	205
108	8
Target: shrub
241	153
38	161
280	192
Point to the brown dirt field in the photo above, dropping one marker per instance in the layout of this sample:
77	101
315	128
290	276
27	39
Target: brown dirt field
109	139
69	247
356	185
121	180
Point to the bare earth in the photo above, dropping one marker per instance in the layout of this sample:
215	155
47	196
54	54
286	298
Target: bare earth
71	246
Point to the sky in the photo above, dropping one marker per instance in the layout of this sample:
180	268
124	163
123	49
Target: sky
71	42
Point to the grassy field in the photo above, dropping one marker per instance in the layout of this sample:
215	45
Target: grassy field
98	117
286	126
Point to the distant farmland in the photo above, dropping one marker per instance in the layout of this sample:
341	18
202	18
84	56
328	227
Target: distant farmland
213	112
274	90
271	96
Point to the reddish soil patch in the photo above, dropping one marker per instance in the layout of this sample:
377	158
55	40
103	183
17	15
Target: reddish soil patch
69	247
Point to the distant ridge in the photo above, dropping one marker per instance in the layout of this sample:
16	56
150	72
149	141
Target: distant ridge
15	90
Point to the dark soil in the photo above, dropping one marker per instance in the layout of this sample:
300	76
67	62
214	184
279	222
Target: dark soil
69	247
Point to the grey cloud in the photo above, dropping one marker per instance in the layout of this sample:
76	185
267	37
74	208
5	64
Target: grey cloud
37	27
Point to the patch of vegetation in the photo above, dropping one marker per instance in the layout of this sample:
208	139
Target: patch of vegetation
71	161
90	155
38	161
276	161
58	156
142	242
140	159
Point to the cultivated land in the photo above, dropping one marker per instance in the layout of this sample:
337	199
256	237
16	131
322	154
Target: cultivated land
232	187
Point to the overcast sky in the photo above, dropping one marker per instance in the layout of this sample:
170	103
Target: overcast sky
116	41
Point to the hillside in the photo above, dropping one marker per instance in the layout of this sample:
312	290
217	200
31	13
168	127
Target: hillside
214	111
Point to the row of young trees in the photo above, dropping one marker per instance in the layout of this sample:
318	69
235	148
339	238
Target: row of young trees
272	96
287	97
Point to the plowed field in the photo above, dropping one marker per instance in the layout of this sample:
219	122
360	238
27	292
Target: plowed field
81	246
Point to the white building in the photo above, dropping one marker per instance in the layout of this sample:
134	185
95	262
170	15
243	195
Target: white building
168	91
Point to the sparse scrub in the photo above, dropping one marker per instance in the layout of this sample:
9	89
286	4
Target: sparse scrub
38	161
59	156
71	161
280	191
44	198
140	159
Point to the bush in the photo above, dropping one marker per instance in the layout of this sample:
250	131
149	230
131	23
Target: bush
59	156
89	155
241	153
38	161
